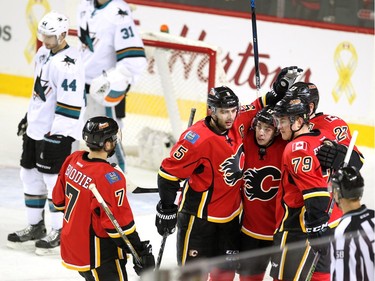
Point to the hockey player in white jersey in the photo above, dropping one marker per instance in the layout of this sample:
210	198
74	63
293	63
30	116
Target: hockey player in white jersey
53	121
113	55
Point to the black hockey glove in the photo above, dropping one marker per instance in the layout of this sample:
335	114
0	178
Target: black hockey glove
54	150
284	80
22	126
331	154
166	218
318	233
147	258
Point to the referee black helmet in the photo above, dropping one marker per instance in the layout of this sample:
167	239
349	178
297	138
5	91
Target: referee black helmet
348	183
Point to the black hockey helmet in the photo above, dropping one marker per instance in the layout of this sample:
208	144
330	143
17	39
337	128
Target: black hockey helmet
308	91
348	183
292	106
265	115
222	97
98	130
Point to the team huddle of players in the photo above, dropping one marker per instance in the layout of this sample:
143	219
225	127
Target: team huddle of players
276	157
252	176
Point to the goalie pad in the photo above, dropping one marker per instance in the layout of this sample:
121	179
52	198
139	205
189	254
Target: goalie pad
109	88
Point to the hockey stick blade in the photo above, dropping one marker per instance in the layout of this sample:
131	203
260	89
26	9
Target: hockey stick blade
139	189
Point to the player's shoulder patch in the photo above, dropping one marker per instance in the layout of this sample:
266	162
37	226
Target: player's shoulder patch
299	145
191	137
112	177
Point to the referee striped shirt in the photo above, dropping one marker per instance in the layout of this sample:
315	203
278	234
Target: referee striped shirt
352	250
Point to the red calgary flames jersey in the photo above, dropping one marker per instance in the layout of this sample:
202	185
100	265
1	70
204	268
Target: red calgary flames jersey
213	165
261	181
334	128
303	187
86	225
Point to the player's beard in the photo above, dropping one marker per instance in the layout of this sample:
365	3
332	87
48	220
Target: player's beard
111	152
221	125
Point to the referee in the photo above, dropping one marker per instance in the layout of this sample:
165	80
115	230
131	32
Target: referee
352	250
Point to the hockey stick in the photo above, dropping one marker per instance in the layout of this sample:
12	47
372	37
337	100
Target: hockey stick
345	164
139	189
104	205
161	250
165	235
255	46
191	117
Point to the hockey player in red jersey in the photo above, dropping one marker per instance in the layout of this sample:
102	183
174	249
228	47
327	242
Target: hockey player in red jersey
210	156
263	146
303	198
336	130
331	155
90	243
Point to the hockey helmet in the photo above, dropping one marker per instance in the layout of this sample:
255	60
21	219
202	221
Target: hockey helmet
348	183
98	130
222	97
265	115
51	24
308	91
292	106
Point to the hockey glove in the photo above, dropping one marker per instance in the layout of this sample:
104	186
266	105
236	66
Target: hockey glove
318	233
331	154
284	80
147	258
109	88
54	150
22	126
166	218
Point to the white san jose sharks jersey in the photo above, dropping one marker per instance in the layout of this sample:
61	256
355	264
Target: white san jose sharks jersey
58	99
109	37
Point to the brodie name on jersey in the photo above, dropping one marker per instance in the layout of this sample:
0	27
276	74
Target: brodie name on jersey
78	177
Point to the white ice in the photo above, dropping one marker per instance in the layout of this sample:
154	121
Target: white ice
25	265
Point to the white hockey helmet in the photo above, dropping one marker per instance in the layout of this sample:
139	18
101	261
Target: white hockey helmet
51	24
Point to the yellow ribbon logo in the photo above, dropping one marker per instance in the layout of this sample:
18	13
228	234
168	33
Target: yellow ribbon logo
32	23
345	50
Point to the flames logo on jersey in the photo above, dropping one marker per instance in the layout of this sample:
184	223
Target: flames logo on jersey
232	167
261	184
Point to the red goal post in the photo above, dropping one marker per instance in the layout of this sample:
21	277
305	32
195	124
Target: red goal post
179	75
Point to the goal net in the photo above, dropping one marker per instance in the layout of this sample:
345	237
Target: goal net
178	77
